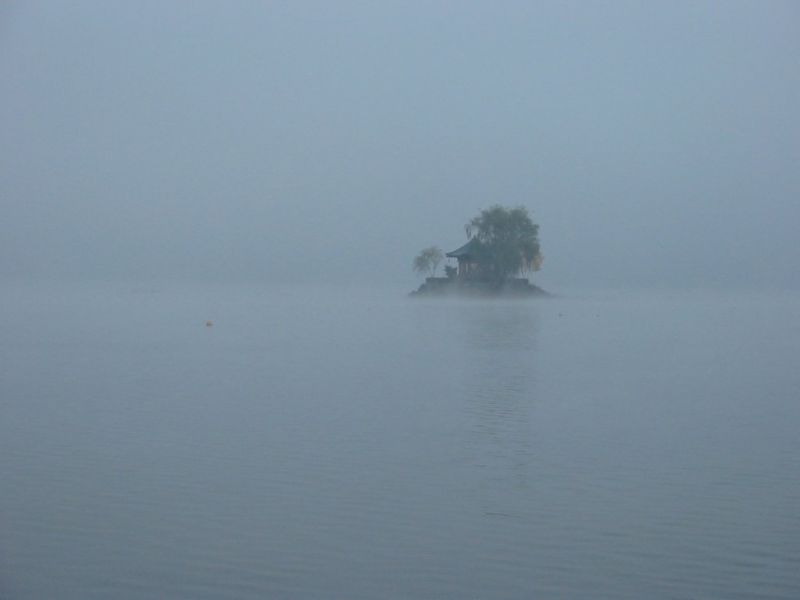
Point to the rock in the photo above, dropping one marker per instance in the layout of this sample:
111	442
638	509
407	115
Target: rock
451	286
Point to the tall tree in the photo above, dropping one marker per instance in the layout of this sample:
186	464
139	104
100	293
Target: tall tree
428	260
507	241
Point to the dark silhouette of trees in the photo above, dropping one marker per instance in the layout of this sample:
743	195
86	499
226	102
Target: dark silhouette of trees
428	260
506	242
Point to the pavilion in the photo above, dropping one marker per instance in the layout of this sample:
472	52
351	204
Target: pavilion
467	256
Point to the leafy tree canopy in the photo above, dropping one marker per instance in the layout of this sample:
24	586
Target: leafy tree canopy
428	260
507	241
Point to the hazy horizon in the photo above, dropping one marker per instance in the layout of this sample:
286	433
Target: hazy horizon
655	144
215	385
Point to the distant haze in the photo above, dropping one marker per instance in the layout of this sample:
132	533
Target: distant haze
657	144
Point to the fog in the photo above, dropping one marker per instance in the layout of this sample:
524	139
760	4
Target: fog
214	385
655	144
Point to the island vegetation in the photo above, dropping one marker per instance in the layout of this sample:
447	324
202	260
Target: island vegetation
502	246
428	260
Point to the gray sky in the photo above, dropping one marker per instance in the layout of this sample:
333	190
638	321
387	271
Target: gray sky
656	143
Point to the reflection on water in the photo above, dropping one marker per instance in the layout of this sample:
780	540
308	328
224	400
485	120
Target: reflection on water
353	445
499	395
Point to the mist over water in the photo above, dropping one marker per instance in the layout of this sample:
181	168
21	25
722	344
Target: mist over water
353	443
214	385
656	145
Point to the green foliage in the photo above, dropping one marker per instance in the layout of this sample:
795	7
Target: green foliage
428	260
508	241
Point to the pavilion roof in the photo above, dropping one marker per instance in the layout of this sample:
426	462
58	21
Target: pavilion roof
465	251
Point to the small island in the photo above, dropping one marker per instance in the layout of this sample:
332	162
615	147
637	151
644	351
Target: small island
502	245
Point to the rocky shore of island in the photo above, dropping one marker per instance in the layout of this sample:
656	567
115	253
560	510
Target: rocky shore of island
517	287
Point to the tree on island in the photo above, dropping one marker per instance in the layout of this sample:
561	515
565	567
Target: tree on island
502	244
428	260
506	242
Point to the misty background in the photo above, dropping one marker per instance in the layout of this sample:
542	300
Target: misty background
657	144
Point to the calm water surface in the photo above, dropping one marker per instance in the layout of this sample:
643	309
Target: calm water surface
356	444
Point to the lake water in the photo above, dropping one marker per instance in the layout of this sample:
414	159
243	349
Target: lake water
357	444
